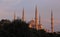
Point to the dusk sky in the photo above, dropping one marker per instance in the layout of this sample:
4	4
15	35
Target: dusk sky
8	7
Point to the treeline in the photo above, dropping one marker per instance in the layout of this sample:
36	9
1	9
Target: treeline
19	28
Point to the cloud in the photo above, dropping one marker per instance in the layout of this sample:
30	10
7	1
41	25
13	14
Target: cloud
48	21
8	6
7	0
10	0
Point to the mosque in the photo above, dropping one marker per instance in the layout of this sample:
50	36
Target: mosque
36	23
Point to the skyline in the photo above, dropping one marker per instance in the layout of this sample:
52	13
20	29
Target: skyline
8	7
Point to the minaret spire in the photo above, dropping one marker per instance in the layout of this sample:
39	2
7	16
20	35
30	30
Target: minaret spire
14	16
52	22
36	18
40	22
39	19
23	17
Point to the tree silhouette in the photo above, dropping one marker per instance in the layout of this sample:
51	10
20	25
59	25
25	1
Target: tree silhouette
19	28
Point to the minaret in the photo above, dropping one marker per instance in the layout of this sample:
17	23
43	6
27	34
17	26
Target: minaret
23	17
14	16
52	22
36	18
40	22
